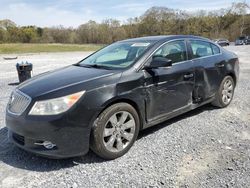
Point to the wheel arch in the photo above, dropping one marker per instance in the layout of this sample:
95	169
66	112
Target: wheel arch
128	101
233	76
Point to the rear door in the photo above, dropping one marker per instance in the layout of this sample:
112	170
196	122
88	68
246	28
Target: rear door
209	66
169	88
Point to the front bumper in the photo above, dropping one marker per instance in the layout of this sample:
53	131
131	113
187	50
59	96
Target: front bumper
71	138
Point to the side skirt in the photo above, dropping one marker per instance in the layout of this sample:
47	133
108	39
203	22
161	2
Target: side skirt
167	116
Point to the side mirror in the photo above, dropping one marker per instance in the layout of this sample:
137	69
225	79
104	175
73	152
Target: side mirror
159	61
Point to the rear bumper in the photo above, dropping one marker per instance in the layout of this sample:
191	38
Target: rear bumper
70	139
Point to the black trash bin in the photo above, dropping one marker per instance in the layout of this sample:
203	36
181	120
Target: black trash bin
24	71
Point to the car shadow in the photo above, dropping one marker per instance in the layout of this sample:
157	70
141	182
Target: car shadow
171	121
18	158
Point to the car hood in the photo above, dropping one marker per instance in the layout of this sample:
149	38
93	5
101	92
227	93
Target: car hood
71	78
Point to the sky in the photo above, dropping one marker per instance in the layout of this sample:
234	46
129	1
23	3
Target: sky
72	13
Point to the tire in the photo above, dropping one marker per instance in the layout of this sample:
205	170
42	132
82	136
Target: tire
114	131
224	95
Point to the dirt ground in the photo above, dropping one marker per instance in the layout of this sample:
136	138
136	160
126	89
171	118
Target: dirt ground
207	147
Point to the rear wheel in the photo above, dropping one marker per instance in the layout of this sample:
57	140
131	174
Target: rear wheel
115	131
224	95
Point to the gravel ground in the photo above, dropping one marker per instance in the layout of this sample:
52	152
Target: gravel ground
207	147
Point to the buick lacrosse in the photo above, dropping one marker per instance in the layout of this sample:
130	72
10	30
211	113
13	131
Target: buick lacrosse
103	101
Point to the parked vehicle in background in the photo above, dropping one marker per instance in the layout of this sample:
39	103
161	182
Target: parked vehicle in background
222	42
103	101
240	40
247	41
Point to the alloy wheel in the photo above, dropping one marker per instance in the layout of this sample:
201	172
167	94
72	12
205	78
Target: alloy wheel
119	131
227	92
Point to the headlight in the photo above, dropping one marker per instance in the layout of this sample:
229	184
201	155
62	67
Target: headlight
56	105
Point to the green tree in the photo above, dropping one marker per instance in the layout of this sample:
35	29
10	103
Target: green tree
241	8
28	34
2	35
228	23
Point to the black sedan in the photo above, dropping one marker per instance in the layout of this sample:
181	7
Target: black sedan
103	101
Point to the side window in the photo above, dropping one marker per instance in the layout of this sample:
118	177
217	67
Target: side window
201	49
176	51
216	49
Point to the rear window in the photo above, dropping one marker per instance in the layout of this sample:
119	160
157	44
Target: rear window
201	49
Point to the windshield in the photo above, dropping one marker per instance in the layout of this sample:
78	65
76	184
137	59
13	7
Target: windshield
117	55
241	38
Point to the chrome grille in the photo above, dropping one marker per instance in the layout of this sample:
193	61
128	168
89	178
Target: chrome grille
18	102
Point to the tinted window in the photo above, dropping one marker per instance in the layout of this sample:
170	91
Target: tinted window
201	49
216	49
176	51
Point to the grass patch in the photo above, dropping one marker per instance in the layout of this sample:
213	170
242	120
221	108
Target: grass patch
36	48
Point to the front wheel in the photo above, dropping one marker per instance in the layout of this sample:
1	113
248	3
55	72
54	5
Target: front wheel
224	95
115	131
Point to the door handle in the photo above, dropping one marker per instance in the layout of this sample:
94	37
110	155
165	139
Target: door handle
220	65
189	75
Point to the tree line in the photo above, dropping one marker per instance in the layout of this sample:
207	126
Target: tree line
223	23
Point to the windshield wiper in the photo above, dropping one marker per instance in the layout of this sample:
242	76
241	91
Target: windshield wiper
96	66
93	66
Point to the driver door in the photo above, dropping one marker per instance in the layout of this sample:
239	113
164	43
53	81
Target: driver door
169	89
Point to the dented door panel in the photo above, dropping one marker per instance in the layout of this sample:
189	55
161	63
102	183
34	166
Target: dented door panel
208	75
168	89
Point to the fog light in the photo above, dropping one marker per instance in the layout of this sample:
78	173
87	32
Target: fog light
46	144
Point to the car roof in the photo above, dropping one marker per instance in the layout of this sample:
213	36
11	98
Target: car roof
154	39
